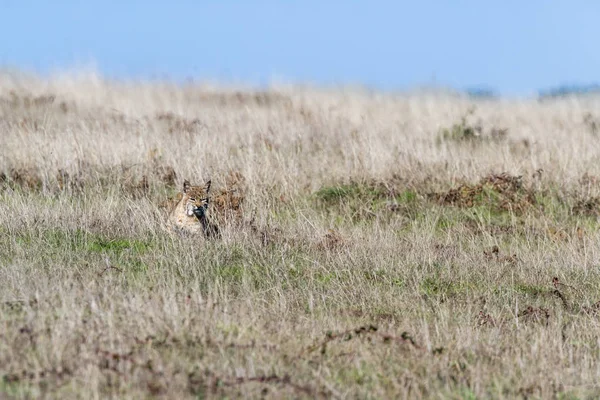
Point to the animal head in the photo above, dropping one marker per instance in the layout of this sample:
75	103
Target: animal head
196	199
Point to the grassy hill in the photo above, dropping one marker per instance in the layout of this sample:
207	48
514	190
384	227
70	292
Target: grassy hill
380	246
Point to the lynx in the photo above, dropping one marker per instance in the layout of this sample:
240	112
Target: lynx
190	215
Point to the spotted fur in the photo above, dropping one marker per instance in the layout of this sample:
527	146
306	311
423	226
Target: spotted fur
190	215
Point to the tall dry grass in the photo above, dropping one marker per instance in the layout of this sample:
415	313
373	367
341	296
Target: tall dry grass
374	257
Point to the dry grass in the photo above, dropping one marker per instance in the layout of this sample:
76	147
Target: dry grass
374	246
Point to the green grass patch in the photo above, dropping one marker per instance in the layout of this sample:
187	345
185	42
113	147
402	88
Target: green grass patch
407	196
81	241
117	245
12	387
438	287
331	195
358	202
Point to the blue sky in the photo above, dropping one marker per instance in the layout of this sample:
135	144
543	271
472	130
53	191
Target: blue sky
514	47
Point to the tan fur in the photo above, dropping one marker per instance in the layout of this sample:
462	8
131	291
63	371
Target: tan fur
182	218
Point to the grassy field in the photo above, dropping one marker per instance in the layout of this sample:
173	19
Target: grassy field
381	246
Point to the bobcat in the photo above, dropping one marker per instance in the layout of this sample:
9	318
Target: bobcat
190	213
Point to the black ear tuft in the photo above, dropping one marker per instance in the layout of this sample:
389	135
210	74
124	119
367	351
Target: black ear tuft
186	186
207	187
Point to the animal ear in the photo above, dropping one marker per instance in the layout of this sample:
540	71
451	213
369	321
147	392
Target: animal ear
207	187
186	186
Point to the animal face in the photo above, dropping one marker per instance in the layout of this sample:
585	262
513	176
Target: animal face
196	199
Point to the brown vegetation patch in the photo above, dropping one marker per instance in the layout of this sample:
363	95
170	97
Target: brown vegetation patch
227	202
494	255
500	192
177	124
535	315
332	240
16	101
27	178
363	331
485	319
594	309
260	98
66	181
589	207
268	235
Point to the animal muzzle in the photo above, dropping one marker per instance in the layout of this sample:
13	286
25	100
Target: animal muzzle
200	212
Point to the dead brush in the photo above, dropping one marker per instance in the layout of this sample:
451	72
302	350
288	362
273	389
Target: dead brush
332	240
594	309
269	235
17	101
218	382
485	319
60	375
240	98
588	207
494	255
134	360
499	192
69	182
227	203
176	124
365	331
26	178
535	315
559	294
569	295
